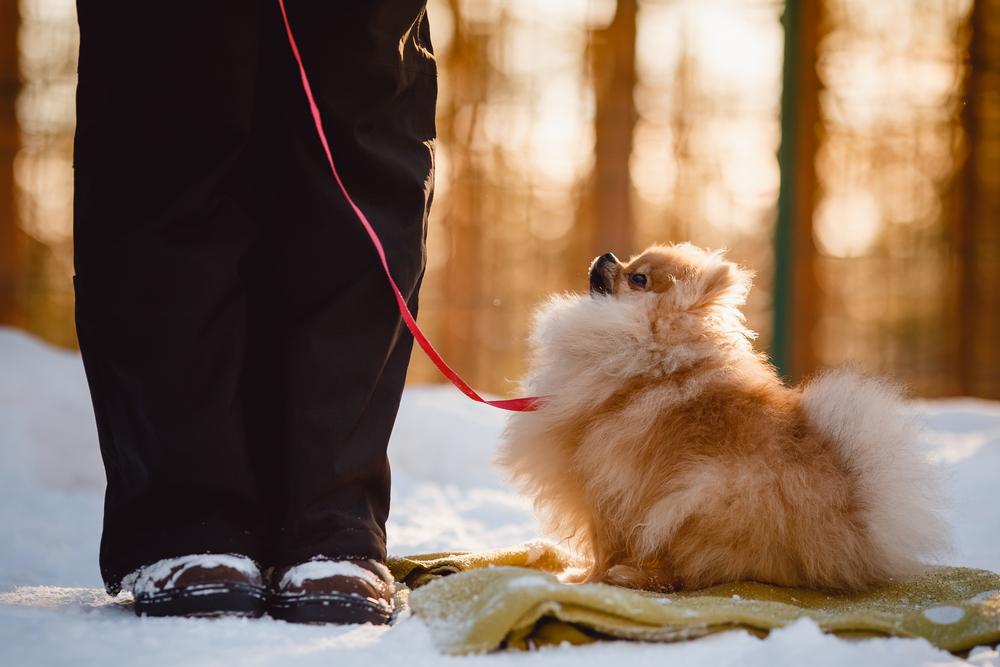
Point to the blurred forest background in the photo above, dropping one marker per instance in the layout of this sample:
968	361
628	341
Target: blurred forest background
568	128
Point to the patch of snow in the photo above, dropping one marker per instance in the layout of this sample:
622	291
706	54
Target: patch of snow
446	496
322	569
984	596
169	570
984	656
944	615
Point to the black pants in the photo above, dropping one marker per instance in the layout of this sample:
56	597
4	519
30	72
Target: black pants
244	352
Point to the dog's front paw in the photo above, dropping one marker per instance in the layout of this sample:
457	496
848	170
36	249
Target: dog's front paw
629	576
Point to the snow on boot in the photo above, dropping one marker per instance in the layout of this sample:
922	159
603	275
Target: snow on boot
332	591
200	585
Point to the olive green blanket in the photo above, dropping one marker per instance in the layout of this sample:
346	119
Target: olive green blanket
512	598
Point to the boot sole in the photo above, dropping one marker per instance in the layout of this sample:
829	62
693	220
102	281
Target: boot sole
204	600
330	608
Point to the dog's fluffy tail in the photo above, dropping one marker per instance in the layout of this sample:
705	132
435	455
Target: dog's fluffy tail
866	419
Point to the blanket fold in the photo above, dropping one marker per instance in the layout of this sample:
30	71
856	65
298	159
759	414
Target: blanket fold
512	598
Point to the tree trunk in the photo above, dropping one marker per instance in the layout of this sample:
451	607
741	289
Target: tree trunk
796	291
615	117
978	223
11	238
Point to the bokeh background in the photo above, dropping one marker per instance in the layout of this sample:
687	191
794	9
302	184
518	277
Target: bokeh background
846	150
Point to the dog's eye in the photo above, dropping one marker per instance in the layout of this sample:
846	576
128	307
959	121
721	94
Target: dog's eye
637	279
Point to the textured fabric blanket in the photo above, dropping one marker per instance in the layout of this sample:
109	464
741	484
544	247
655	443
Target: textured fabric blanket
512	598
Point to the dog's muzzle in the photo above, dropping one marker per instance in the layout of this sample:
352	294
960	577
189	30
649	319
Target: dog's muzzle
602	273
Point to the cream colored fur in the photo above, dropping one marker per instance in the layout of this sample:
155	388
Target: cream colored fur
867	421
670	454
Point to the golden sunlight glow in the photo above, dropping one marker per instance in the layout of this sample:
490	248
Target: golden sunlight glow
525	96
43	172
704	164
848	224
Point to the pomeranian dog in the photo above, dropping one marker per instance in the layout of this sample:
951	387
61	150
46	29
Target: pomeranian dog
673	457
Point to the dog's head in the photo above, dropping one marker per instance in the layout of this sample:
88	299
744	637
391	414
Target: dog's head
682	277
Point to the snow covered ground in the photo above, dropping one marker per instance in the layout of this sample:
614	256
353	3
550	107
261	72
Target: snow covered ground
446	496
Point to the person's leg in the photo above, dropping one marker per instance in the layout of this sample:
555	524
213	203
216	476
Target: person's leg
330	354
165	112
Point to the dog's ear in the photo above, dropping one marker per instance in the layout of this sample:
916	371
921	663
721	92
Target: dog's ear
723	283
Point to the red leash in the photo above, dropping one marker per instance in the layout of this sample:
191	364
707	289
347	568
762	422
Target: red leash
525	404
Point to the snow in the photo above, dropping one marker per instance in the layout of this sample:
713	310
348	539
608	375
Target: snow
164	574
323	569
944	614
446	496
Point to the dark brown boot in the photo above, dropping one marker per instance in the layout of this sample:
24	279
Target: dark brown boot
332	591
200	585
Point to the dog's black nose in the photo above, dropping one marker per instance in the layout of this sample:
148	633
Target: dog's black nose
600	269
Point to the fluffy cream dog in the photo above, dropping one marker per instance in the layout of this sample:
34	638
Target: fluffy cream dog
672	456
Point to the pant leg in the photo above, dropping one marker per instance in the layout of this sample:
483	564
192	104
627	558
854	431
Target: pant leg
165	111
329	354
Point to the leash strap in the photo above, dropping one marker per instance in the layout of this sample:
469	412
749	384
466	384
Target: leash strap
525	404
